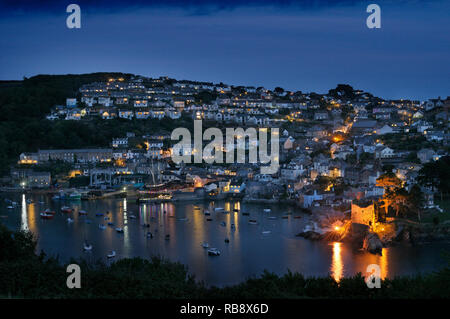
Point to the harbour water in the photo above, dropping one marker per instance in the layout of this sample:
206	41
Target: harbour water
271	244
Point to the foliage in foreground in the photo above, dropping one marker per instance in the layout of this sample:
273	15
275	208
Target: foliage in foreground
24	274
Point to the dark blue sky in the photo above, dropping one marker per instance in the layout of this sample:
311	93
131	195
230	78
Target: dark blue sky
299	45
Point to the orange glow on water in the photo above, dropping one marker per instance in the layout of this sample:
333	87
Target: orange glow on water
337	266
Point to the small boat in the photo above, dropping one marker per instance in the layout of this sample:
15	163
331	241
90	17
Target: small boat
208	219
106	218
167	237
267	210
285	217
66	209
205	244
119	229
82	212
245	214
132	217
29	201
219	209
99	214
101	226
46	216
110	224
227	240
87	247
69	220
226	212
233	226
146	225
75	196
253	222
266	232
41	202
272	217
213	252
207	213
182	219
56	197
48	211
149	235
223	224
111	254
10	207
236	210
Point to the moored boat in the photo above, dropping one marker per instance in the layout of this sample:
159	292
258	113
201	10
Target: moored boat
111	254
213	252
66	209
119	229
86	246
46	216
82	212
49	212
205	244
267	210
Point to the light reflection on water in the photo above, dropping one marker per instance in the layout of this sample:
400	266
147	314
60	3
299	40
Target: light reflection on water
337	267
247	254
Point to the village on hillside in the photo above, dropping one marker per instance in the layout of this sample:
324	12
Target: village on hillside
345	151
